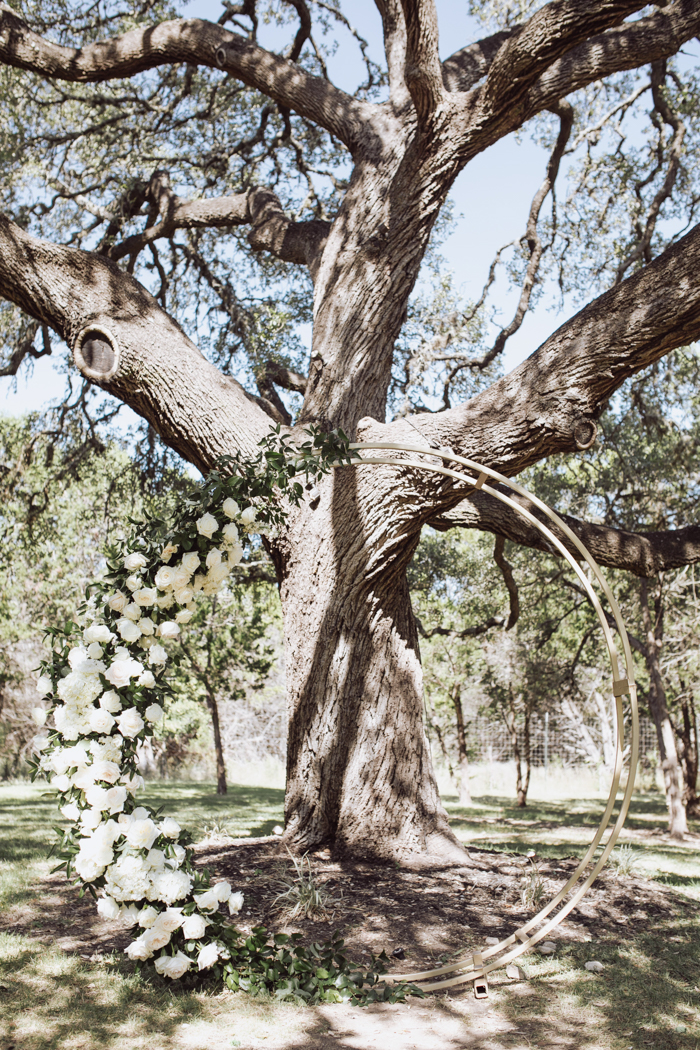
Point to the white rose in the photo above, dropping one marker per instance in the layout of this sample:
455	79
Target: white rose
133	582
179	857
96	797
87	868
207	525
184	595
146	625
230	508
170	828
95	651
98	632
235	555
156	938
190	562
141	834
198	582
165	601
170	920
222	891
184	616
84	778
213	557
154	713
248	516
156	859
133	611
194	927
134	562
44	685
61	783
118	602
116	797
157	655
39	716
235	903
230	533
130	723
129	916
90	820
147	681
173	966
208	956
207	901
101	721
107	908
71	811
147	916
134	784
168	550
129	631
168	629
138	950
110	701
103	769
165	577
119	673
145	596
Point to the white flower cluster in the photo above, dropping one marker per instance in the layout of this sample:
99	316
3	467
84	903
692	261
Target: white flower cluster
102	705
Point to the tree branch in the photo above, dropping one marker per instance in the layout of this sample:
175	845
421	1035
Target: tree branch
643	553
194	41
422	70
464	69
509	580
197	411
468	632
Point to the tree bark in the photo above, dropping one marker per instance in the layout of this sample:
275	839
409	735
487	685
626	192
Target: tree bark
688	734
465	795
668	753
221	787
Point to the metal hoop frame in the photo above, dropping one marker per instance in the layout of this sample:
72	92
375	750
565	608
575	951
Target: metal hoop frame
476	965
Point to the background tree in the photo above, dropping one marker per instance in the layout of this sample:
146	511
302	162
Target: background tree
157	138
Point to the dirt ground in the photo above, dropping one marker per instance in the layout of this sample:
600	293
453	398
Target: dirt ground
426	917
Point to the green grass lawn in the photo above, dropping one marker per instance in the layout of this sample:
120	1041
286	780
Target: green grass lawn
646	996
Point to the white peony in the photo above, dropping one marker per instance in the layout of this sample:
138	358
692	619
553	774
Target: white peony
230	508
173	966
87	868
101	721
208	956
44	685
168	550
154	713
168	629
190	563
134	562
39	716
207	525
145	596
235	903
98	632
118	602
194	927
147	681
127	879
157	655
170	828
165	577
129	631
107	908
169	886
141	834
130	723
110	702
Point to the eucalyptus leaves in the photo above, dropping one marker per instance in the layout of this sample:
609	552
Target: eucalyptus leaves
106	684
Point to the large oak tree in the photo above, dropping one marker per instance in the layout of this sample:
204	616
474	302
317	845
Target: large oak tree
94	91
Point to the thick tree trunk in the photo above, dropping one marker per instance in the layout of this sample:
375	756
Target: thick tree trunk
668	753
359	774
465	795
689	755
221	787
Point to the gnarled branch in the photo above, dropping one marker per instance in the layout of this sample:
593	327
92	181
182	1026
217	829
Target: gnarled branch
422	69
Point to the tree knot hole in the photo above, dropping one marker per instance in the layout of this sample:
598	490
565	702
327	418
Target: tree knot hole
585	431
96	353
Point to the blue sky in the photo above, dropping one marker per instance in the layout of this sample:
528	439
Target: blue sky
492	195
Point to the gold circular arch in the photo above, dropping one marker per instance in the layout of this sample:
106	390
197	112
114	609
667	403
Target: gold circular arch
475	965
